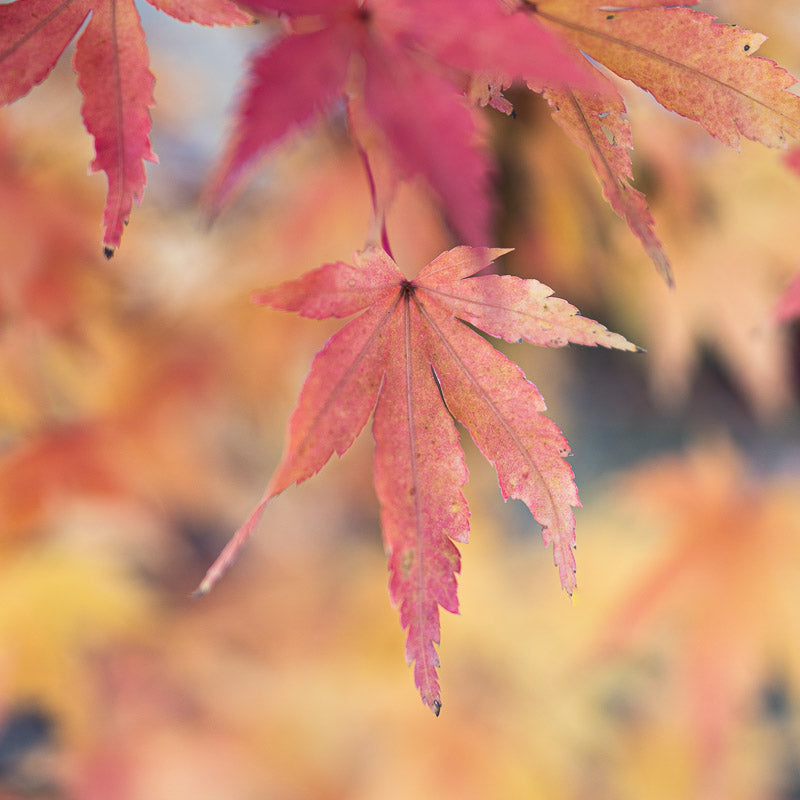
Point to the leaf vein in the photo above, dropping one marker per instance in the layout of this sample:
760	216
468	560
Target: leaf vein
422	649
43	23
656	56
331	399
481	392
117	77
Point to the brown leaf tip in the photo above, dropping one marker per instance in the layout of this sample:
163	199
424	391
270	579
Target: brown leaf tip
108	251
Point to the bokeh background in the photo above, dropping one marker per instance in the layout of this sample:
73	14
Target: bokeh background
142	408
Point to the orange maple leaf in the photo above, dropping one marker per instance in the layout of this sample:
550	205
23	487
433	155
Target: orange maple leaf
700	69
690	64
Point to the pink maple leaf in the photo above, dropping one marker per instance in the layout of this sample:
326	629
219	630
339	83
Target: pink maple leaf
406	346
413	61
111	60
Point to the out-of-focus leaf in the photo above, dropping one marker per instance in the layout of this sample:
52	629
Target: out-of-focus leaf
723	590
375	53
57	608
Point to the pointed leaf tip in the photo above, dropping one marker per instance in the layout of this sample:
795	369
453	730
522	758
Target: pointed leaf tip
112	63
202	590
598	124
232	548
436	707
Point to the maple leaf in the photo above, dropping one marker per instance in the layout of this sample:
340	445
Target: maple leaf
690	64
408	345
702	70
411	61
111	60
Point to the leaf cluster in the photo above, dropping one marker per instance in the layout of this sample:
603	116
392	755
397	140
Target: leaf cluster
413	80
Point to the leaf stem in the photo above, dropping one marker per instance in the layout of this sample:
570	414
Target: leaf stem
378	221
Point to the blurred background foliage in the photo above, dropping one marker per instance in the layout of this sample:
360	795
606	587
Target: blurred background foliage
142	407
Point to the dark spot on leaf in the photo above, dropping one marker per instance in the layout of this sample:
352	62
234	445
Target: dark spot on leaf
611	16
746	47
108	252
437	707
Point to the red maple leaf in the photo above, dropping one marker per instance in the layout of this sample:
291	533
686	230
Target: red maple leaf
409	358
111	60
410	61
